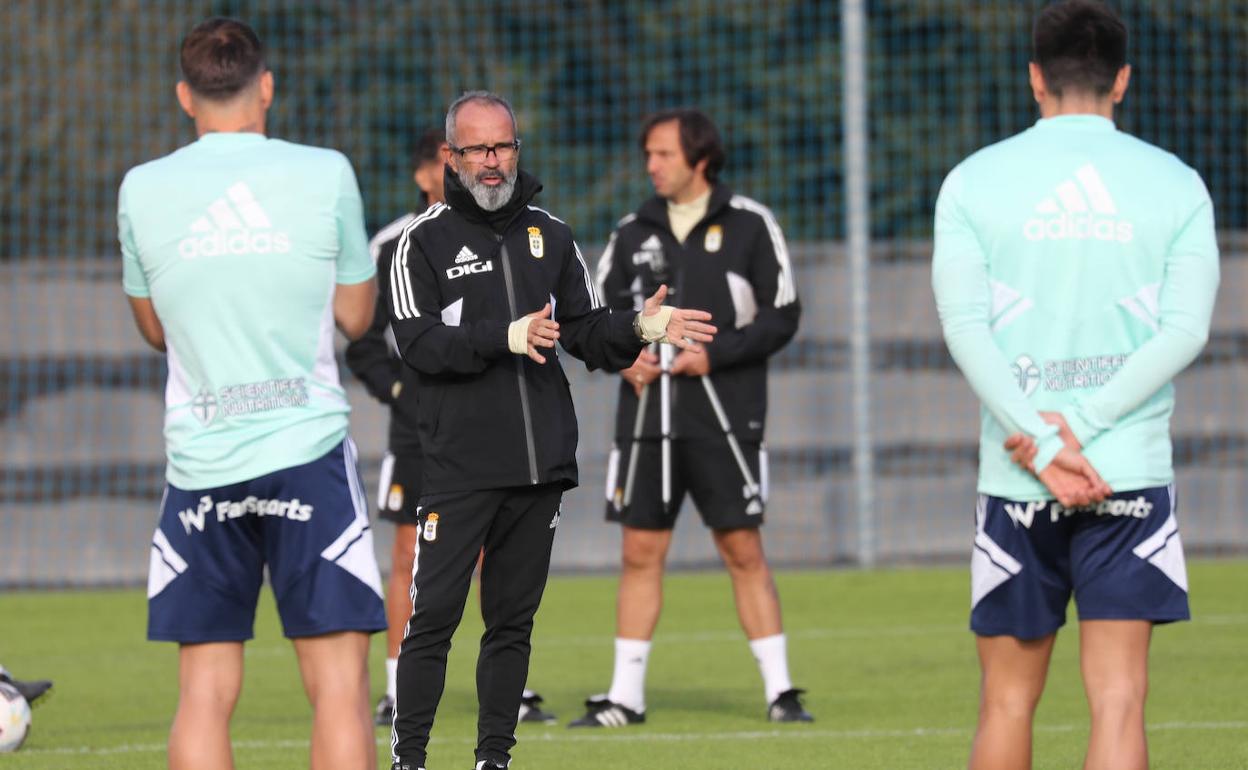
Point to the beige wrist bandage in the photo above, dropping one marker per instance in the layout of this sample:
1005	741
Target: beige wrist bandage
518	335
653	328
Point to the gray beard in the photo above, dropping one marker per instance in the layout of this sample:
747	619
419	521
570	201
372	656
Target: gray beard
489	197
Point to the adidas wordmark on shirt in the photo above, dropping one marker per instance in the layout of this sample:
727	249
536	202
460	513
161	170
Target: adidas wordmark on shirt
235	223
1081	208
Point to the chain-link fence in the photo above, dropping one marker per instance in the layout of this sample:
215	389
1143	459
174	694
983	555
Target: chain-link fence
872	431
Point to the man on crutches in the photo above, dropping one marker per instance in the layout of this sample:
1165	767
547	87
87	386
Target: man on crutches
694	422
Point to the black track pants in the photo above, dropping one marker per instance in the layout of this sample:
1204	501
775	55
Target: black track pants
517	528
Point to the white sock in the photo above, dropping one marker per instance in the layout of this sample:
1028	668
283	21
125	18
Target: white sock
773	662
628	683
527	694
392	670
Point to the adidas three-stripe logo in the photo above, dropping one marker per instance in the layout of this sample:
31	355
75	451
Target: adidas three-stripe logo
1080	208
612	716
235	223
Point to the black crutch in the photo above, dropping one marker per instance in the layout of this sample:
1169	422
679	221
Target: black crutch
631	478
665	419
751	491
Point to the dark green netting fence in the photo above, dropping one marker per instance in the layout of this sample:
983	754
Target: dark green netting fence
87	92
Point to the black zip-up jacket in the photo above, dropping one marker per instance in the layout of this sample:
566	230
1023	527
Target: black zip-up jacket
488	418
735	265
373	358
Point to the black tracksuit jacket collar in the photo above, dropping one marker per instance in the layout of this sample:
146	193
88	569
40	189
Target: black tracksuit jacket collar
459	199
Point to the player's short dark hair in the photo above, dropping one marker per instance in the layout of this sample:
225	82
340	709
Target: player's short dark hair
1080	45
221	57
428	147
699	138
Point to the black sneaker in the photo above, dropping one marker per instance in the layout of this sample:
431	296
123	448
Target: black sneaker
531	710
487	764
31	691
383	715
401	765
787	707
604	713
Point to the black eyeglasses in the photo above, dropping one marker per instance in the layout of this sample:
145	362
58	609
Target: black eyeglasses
477	153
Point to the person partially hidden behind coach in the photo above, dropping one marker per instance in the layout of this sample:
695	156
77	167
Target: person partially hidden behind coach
481	289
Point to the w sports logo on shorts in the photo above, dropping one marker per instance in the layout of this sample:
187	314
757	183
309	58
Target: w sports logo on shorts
293	509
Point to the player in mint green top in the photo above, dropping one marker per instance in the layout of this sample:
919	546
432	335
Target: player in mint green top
239	242
241	253
1075	271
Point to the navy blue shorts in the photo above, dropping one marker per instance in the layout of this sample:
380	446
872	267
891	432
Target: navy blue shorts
1121	559
308	524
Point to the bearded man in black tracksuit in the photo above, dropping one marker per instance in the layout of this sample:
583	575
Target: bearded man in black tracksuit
481	288
723	253
374	360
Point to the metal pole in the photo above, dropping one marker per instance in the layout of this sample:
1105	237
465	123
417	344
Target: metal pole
858	231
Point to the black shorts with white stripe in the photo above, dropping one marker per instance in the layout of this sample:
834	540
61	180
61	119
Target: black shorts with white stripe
707	470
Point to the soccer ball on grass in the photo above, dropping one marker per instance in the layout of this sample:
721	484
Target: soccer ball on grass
14	718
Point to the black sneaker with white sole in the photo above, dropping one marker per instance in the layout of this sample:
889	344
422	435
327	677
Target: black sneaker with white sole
601	712
31	690
531	710
787	707
383	715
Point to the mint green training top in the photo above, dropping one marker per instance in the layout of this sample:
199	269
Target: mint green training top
239	241
1075	270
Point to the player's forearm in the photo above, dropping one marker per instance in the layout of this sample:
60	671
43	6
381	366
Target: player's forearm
155	338
370	359
378	375
1187	299
353	307
963	302
148	323
757	341
437	349
601	338
1145	372
977	356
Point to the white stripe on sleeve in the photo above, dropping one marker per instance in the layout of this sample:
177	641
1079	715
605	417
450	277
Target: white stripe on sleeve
401	294
595	301
786	288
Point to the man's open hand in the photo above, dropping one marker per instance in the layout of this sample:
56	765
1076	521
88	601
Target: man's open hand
542	333
685	328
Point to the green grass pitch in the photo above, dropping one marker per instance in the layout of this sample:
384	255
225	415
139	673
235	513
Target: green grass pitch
885	655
